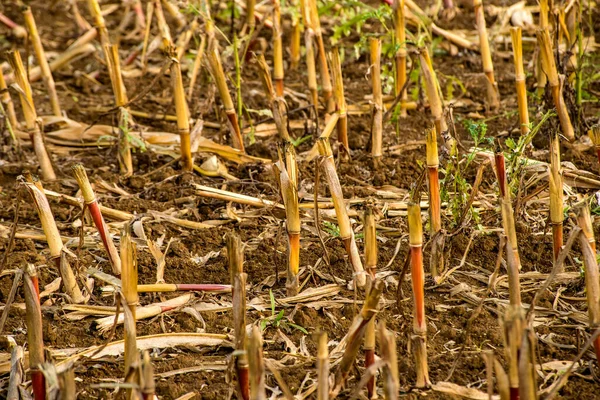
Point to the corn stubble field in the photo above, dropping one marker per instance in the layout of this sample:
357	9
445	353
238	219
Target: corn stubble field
299	199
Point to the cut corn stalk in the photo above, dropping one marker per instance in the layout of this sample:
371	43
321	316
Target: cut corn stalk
324	69
419	338
289	193
54	241
513	331
183	287
527	370
340	100
163	27
377	127
515	34
35	337
40	55
256	365
592	276
99	22
322	367
147	377
129	279
28	107
541	78
493	102
250	16
433	163
400	41
295	39
355	336
235	256
346	232
311	68
91	203
549	68
183	117
9	107
371	269
594	135
391	377
216	69
555	182
277	49
197	65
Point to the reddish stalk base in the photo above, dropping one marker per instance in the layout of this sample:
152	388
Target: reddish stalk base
38	384
101	226
557	239
418	283
434	199
369	360
279	87
501	171
243	381
597	349
514	393
598	154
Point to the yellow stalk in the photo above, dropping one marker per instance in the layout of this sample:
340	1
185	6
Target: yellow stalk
129	280
400	40
216	69
340	100
433	162
493	101
549	67
377	127
371	266
431	89
277	49
163	27
295	42
183	117
346	232
256	365
311	69
149	13
515	34
391	376
250	17
147	377
40	55
175	13
322	367
28	107
99	22
35	335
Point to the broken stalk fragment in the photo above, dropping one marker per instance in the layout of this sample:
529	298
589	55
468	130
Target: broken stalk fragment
99	22
92	204
54	240
322	367
540	75
325	77
419	338
184	287
277	49
40	55
400	41
340	100
28	107
183	116
197	65
391	377
256	365
309	44
592	276
346	232
493	102
549	67
295	39
129	281
515	34
433	162
216	69
35	336
377	127
527	367
8	104
371	269
355	335
289	193
556	196
235	256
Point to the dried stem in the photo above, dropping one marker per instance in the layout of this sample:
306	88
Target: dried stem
92	205
377	127
515	34
54	241
295	40
340	100
400	41
322	367
235	255
355	336
40	55
28	107
595	137
183	116
8	104
216	69
129	279
147	377
277	49
346	232
35	336
556	196
493	101
371	267
325	77
197	65
433	162
99	22
549	68
256	365
419	338
391	377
